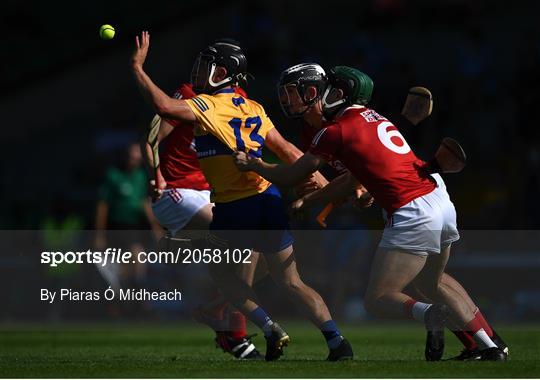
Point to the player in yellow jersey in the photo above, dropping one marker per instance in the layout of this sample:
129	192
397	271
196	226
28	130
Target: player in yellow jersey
244	202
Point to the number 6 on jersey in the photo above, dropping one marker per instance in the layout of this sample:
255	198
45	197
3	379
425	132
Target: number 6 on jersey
388	138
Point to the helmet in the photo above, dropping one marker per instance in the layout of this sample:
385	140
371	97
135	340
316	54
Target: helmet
225	53
357	88
295	80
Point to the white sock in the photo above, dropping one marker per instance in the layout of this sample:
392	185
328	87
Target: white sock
419	310
483	340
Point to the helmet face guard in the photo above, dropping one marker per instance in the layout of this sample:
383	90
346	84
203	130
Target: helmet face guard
292	101
356	88
293	85
202	75
331	99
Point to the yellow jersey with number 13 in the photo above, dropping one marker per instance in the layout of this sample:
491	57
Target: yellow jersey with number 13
226	122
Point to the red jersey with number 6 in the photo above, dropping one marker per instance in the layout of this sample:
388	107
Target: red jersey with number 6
374	151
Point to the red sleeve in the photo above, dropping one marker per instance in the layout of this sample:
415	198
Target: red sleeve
185	91
327	142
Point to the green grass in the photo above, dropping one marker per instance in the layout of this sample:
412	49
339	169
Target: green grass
187	351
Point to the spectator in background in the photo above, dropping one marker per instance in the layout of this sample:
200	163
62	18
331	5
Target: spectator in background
123	205
60	230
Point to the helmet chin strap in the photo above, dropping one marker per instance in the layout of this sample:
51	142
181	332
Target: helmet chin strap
329	110
211	75
331	105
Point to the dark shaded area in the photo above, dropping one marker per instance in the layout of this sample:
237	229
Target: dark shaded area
69	105
480	59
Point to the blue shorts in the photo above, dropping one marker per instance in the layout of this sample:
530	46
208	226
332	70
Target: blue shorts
258	222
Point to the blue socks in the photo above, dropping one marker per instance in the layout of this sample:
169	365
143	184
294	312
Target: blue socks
262	320
329	329
331	334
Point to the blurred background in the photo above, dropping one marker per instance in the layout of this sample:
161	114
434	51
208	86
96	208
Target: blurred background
70	111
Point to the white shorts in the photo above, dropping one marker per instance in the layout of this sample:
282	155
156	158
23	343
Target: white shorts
175	208
424	225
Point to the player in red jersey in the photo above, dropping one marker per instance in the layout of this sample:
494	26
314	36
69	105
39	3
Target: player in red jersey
309	79
421	219
184	199
182	202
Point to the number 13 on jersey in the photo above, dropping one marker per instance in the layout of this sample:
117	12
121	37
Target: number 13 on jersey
254	124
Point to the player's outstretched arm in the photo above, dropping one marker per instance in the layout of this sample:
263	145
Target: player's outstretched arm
285	150
289	153
286	175
164	105
338	189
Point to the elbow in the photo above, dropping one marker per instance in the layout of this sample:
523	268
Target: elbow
162	109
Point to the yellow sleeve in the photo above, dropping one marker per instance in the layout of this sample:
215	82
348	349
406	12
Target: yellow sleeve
203	106
267	124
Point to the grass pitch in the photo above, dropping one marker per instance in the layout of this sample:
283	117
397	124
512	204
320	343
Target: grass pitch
187	351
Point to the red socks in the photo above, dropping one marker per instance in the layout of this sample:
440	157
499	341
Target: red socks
217	311
478	328
415	309
466	338
237	324
487	328
473	326
407	306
